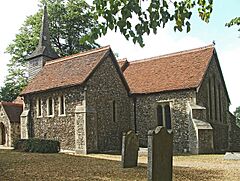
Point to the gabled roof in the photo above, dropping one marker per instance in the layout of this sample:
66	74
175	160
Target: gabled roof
176	71
13	111
67	71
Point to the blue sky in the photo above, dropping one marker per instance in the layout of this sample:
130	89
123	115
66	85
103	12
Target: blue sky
13	13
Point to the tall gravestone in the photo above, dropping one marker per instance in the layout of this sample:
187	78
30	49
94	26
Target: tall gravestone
160	153
130	147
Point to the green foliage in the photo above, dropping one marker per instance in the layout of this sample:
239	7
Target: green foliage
37	145
234	21
70	21
118	14
237	114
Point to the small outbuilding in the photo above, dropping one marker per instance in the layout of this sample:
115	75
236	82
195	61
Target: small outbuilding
9	122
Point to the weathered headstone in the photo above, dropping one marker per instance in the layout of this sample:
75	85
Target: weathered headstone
232	156
130	147
160	153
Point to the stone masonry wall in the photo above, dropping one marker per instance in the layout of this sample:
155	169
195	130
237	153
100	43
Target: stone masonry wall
105	86
234	134
147	118
219	106
15	132
57	127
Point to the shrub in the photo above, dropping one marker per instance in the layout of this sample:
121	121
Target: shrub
37	145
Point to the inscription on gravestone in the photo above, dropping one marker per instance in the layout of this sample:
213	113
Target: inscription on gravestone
130	147
160	153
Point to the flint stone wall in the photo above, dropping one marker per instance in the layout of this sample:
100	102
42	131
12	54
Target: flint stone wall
61	128
146	116
15	132
104	87
234	136
219	120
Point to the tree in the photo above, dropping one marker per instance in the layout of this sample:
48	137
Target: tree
69	22
237	114
234	21
148	16
135	18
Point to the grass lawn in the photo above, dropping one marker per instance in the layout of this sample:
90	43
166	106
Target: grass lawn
33	166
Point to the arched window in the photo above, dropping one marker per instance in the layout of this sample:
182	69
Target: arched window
2	134
164	115
61	100
50	107
167	116
210	99
39	107
220	102
159	115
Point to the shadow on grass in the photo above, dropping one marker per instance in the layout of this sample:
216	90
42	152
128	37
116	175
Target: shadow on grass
34	166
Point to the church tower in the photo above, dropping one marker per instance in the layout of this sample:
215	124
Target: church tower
44	51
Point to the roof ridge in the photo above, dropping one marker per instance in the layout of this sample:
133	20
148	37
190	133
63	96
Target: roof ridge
87	52
172	54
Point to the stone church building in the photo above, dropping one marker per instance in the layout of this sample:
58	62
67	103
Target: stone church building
87	100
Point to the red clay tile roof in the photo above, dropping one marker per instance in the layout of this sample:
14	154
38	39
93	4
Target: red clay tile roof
13	111
177	71
66	71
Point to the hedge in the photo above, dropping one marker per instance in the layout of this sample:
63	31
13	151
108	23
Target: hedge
37	145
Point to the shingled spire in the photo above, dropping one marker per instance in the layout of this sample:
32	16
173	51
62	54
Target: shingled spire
44	51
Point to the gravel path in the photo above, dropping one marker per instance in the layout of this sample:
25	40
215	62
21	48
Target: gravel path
214	167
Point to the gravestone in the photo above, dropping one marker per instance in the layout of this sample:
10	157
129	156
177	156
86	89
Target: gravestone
130	147
160	153
232	156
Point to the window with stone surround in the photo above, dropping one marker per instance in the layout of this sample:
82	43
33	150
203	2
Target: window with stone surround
50	107
61	105
39	108
215	98
220	102
164	115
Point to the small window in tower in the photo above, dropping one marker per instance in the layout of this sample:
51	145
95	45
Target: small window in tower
50	107
62	105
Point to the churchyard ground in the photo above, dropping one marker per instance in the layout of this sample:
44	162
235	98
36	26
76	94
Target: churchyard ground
34	166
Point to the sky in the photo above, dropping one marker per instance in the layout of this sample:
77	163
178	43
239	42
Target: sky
14	12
